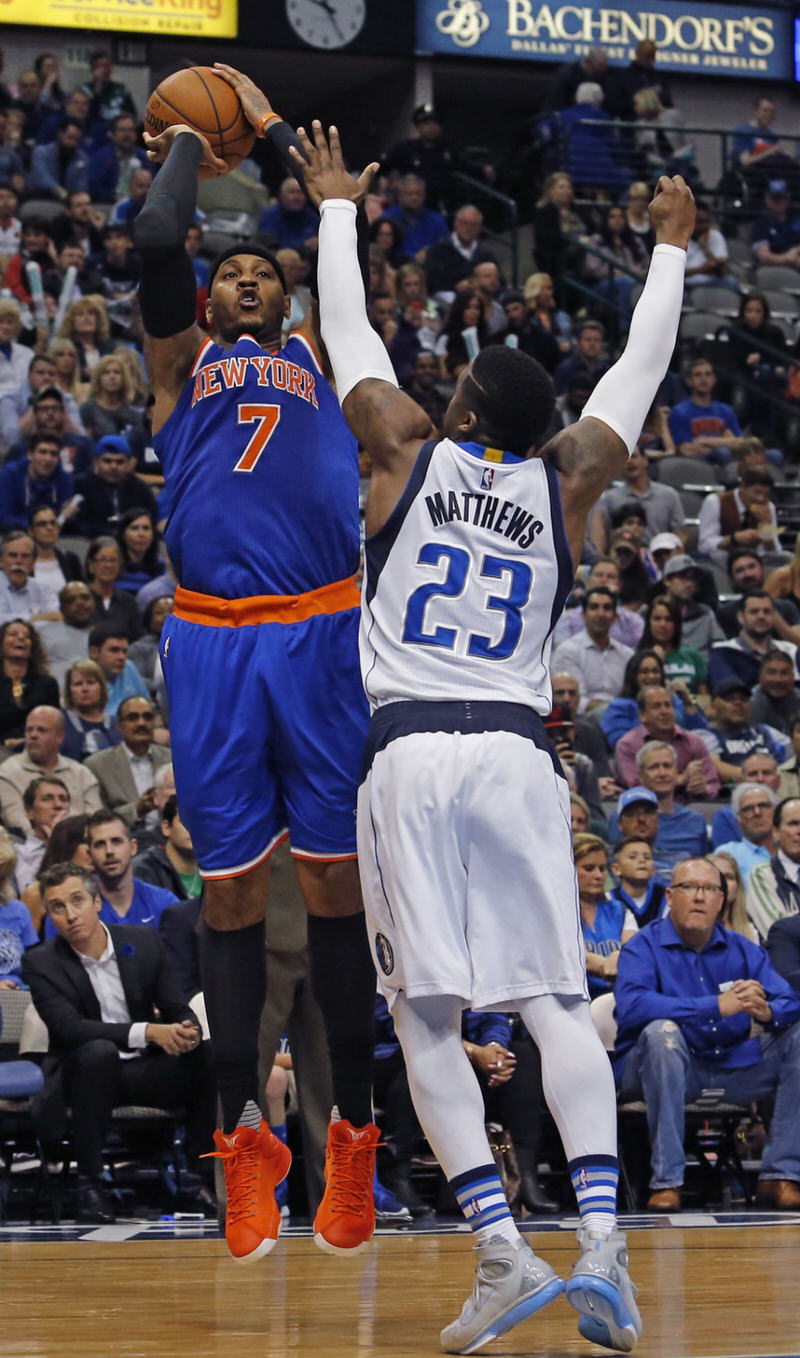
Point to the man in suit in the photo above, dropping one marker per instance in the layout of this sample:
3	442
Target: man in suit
126	772
98	990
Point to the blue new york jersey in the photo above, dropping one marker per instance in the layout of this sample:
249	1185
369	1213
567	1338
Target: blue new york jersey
261	473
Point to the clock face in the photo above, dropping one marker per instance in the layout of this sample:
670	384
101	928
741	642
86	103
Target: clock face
326	24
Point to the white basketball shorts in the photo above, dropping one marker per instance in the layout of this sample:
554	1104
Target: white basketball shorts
465	854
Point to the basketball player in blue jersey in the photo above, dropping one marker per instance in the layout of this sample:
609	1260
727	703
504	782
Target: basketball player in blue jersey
463	811
260	657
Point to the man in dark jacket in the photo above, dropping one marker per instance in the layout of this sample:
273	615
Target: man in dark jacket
97	989
110	489
174	866
453	258
783	946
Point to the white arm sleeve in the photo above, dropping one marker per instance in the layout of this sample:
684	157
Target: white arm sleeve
356	350
624	395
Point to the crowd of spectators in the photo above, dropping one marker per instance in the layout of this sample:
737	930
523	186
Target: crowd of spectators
675	665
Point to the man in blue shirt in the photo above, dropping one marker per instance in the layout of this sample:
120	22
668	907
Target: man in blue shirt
687	994
34	481
681	831
701	426
756	768
753	805
421	225
292	221
108	648
776	233
126	899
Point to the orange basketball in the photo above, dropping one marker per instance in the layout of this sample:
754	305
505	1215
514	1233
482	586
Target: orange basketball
205	102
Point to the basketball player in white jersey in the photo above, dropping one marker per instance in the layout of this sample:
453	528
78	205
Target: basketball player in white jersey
463	813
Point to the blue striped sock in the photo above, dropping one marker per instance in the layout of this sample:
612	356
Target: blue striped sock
480	1196
595	1179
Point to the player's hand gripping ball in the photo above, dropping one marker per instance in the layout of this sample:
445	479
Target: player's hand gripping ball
200	99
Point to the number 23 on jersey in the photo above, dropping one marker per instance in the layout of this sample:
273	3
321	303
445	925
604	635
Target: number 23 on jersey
516	581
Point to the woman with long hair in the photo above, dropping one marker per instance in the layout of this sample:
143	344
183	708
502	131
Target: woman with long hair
46	67
663	626
637	215
555	223
25	679
622	264
388	234
86	324
68	370
466	313
131	360
750	332
109	408
139	541
88	726
606	924
734	911
67	844
416	308
540	299
103	569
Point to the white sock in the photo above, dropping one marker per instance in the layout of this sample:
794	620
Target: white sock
250	1116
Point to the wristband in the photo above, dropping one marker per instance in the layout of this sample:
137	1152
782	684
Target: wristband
266	121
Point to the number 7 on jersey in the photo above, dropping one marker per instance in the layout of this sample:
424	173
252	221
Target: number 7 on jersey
266	420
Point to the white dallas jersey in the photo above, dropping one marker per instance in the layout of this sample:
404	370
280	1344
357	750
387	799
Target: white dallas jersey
466	581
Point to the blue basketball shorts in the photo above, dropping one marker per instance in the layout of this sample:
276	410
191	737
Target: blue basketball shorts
268	723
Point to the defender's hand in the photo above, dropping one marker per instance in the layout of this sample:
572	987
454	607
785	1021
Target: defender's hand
325	174
158	148
255	104
672	211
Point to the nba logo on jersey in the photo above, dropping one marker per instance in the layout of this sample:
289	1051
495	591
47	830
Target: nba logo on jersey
584	1178
487	480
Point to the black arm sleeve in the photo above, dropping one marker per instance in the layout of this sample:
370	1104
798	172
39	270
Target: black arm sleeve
280	136
167	290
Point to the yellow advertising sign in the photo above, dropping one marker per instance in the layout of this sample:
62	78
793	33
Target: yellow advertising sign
190	18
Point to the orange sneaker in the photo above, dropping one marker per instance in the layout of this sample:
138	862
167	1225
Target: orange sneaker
255	1162
345	1220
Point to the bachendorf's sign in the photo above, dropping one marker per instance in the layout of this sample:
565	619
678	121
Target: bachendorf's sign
729	40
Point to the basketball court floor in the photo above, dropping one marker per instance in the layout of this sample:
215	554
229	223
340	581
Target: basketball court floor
721	1285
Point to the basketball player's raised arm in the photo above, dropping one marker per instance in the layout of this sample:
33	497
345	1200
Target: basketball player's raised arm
386	422
589	455
167	290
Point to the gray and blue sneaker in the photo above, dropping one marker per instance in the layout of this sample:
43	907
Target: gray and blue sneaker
601	1289
510	1284
389	1210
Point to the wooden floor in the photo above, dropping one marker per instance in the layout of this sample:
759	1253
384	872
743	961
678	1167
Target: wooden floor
704	1293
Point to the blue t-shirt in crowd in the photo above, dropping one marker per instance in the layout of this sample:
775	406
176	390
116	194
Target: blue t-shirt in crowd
16	934
604	937
725	827
690	421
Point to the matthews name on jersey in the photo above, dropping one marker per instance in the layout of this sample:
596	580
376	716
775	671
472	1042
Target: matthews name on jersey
261	474
480	571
